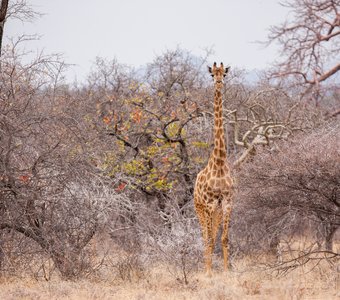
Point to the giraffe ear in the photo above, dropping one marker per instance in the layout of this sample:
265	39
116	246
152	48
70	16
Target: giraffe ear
226	70
209	69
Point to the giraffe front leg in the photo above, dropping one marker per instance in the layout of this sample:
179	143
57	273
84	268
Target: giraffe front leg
203	217
225	238
209	246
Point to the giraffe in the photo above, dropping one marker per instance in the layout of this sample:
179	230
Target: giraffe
214	185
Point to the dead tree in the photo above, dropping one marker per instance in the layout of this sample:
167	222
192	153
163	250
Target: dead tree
16	9
309	45
3	12
46	180
294	186
264	117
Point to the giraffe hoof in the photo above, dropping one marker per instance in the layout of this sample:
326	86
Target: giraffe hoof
228	269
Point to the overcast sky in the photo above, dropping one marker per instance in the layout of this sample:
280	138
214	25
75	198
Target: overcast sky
135	31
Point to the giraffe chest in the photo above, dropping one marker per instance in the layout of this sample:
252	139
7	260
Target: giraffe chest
215	181
213	191
219	184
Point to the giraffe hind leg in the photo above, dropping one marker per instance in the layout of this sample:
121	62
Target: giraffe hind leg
212	226
225	238
216	222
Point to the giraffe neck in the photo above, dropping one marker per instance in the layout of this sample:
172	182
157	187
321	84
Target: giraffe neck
219	143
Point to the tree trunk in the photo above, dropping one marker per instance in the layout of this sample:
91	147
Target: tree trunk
68	264
330	232
2	254
3	12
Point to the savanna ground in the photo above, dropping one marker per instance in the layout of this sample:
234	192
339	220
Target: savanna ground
157	283
128	276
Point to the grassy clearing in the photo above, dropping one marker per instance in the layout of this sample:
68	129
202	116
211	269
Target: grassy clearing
126	275
321	283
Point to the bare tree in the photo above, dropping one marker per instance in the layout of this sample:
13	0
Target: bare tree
49	192
3	12
309	44
18	9
259	117
295	185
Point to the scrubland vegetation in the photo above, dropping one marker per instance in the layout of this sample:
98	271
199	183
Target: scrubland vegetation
96	181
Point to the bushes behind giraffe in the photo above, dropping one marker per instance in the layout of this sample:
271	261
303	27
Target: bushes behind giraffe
116	157
290	191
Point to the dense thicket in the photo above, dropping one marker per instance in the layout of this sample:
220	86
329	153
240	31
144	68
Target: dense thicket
120	153
293	190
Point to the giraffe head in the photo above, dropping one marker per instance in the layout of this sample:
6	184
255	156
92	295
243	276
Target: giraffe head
218	74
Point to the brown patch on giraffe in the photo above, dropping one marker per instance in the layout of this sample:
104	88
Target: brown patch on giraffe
218	133
226	195
219	162
223	153
210	199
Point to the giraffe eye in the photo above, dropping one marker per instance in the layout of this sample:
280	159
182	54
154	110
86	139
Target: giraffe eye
212	75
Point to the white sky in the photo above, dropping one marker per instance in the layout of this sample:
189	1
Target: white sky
135	31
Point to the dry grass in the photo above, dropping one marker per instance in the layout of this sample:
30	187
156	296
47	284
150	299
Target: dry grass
322	283
127	276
